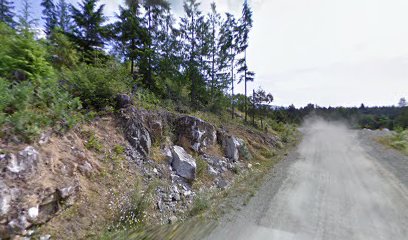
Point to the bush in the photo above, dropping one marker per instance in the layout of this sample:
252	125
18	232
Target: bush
97	86
30	96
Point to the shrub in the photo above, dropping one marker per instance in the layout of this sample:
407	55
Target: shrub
30	96
201	203
97	86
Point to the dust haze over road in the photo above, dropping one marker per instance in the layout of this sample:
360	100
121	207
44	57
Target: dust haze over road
330	188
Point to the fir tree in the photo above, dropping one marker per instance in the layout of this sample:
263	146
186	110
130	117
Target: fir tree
89	31
6	13
189	28
49	16
228	52
245	25
26	22
64	22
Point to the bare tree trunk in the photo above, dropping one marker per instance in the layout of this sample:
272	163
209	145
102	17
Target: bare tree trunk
245	104
253	107
232	89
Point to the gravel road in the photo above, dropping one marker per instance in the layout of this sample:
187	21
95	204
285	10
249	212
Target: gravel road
334	186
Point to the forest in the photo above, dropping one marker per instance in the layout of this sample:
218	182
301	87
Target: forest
391	117
86	59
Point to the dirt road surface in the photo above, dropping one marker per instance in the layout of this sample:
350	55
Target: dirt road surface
331	188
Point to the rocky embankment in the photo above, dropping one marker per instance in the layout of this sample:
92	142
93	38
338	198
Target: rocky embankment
65	185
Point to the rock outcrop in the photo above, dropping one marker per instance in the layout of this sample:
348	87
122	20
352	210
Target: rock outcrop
183	163
22	166
195	134
135	132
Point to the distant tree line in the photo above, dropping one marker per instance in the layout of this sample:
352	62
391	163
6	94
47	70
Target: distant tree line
361	117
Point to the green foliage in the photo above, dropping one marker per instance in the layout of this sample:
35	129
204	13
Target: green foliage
398	141
31	98
202	168
146	99
119	149
97	86
200	204
402	119
62	51
90	32
93	142
244	152
21	57
6	12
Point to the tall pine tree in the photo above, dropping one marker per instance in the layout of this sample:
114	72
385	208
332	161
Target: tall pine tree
64	22
156	11
245	25
214	23
89	33
129	34
26	22
49	16
228	52
6	13
189	28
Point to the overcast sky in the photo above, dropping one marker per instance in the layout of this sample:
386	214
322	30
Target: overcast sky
327	52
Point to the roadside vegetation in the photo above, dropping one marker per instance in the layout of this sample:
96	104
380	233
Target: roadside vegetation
87	58
398	140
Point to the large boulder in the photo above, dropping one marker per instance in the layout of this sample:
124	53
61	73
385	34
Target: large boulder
183	163
233	146
24	165
135	132
156	122
123	101
195	133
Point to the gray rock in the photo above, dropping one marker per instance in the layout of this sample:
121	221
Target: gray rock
183	163
173	220
19	225
195	133
221	183
135	132
45	237
176	197
33	213
25	164
44	138
168	154
212	171
123	100
86	169
156	129
231	146
5	199
67	192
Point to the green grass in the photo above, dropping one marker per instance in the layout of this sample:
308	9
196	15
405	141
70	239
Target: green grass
398	141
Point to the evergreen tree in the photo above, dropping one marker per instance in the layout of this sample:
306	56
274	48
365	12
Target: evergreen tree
25	19
129	34
245	25
49	16
6	13
89	32
63	17
170	53
189	28
228	52
155	16
214	22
